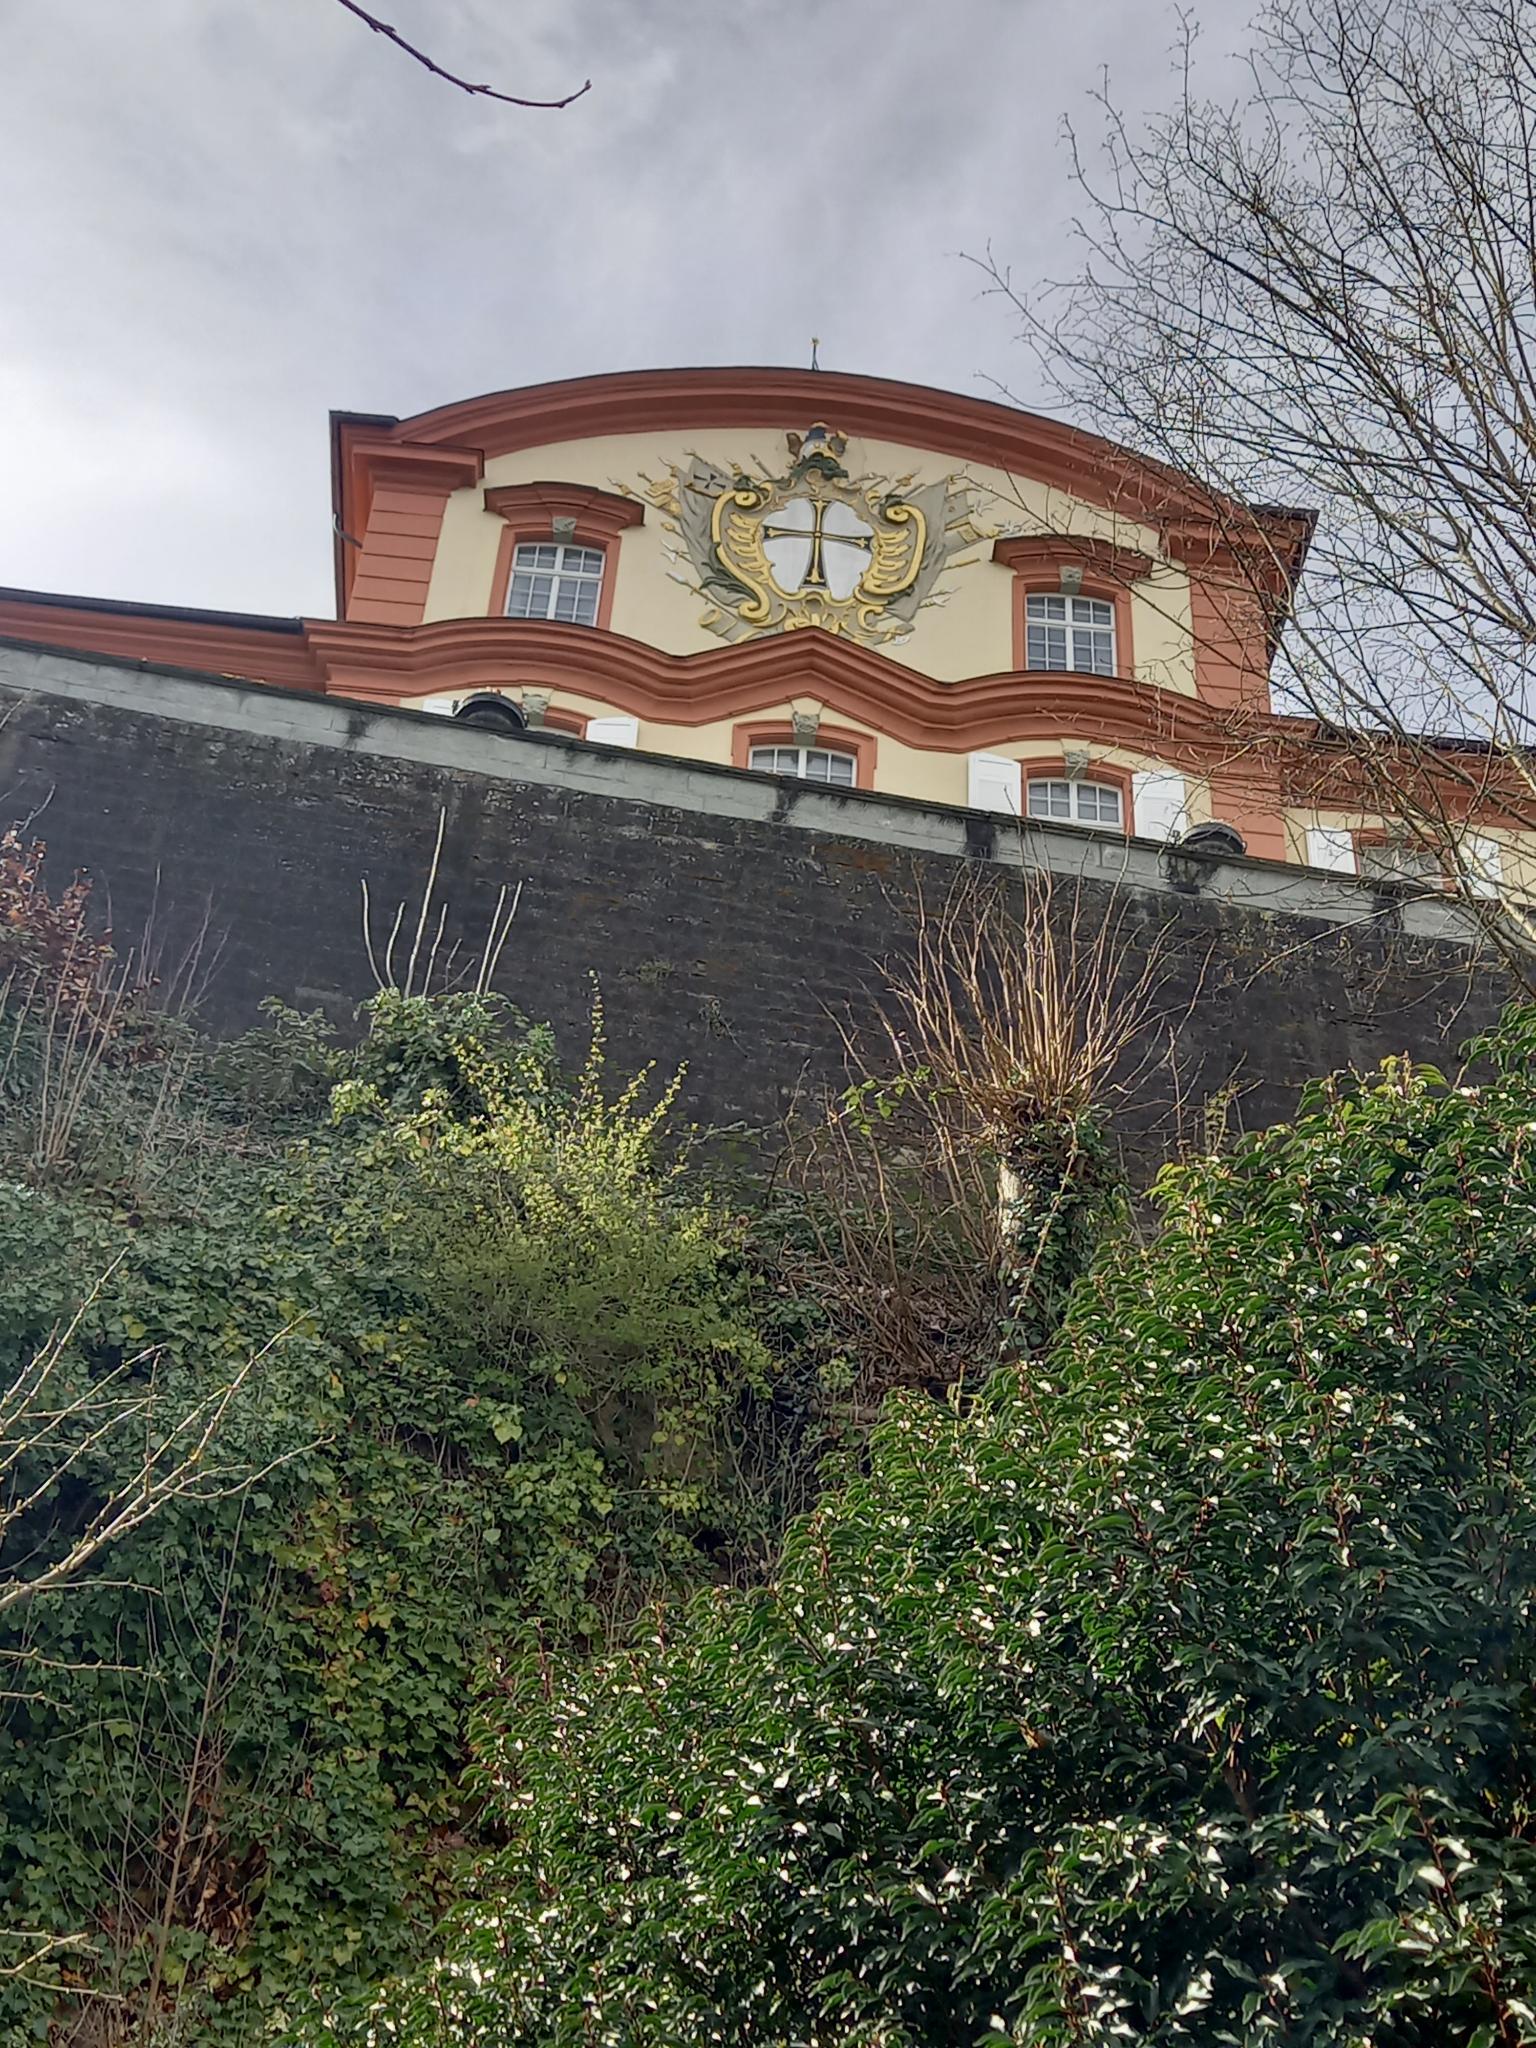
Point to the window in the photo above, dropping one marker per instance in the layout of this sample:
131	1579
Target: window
811	764
1396	861
1475	864
1077	803
1076	633
552	581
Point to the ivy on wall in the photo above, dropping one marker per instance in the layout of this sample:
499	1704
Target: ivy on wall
496	1344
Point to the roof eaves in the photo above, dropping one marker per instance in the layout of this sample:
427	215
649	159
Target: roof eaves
255	622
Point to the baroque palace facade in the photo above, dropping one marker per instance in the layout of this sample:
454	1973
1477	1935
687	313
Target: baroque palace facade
865	584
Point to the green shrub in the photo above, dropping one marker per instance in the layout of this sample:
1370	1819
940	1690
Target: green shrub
499	1338
1178	1690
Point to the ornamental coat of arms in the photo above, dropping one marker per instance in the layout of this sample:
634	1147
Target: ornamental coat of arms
814	547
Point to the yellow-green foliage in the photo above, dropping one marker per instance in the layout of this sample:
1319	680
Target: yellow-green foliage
506	1340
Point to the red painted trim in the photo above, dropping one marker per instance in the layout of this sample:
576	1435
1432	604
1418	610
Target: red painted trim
1045	554
1250	800
560	719
1240	585
736	681
285	659
378	473
501	575
600	516
837	739
662	401
390	664
1254	762
1317	773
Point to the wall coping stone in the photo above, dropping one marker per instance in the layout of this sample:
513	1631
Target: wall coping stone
554	760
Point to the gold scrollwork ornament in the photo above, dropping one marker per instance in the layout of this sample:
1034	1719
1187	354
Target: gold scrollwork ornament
813	547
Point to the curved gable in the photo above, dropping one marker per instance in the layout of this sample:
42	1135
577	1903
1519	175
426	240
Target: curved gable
877	408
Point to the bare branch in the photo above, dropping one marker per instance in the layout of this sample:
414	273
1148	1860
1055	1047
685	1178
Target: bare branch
382	28
1324	295
173	1463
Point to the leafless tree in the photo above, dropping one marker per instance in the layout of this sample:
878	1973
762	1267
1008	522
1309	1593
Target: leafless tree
1022	1006
1322	293
56	1433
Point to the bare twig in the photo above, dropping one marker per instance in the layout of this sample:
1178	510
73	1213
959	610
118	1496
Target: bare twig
1323	294
1021	1005
173	1463
490	953
496	939
426	906
393	35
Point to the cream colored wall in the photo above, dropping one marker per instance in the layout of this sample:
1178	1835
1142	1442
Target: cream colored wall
1519	863
1298	823
1518	855
926	774
965	630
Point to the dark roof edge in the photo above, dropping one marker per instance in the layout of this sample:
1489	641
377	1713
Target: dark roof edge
256	622
339	418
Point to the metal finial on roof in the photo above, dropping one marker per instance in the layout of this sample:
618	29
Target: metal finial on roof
815	344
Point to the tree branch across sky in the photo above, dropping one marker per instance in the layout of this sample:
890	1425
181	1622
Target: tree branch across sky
481	91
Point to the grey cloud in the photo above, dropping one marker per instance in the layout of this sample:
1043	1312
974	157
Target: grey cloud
220	220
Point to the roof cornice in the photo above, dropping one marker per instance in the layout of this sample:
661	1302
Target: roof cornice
1020	443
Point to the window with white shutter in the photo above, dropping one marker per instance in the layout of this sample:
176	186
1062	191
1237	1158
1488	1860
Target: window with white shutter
1076	803
1159	803
1332	848
1399	860
995	784
614	732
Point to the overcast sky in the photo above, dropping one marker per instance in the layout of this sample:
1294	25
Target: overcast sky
223	217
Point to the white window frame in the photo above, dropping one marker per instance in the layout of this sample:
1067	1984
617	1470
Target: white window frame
1401	860
1074	814
803	757
1083	623
1475	865
572	570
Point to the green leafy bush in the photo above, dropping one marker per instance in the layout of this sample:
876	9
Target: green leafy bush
499	1339
1178	1690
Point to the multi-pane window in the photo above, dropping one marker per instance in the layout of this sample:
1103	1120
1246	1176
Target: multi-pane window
1398	862
1077	803
1076	633
551	581
811	764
